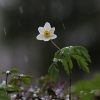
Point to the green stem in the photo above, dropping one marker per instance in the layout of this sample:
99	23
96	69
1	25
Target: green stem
55	45
7	82
6	79
70	83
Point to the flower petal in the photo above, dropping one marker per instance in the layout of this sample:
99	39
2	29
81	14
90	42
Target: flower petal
41	30
52	30
40	37
46	39
47	26
53	36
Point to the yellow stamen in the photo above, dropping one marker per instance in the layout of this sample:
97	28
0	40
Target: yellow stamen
46	34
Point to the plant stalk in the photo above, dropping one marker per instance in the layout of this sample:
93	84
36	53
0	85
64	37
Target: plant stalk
6	82
70	83
6	79
17	90
55	45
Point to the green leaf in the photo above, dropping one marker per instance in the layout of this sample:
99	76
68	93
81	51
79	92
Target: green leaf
70	64
66	53
83	52
65	50
25	80
78	52
85	66
53	72
12	88
2	87
86	55
14	72
3	73
81	48
56	60
66	67
58	55
82	63
3	95
25	76
62	54
12	81
72	50
8	87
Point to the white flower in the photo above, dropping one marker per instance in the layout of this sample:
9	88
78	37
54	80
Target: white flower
7	72
46	32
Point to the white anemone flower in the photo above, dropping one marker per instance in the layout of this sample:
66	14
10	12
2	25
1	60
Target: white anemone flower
46	32
7	72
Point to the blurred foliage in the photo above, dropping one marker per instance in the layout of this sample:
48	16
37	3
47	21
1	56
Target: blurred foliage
46	88
14	83
13	88
3	95
88	89
43	80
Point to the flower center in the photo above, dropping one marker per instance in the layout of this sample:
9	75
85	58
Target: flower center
46	34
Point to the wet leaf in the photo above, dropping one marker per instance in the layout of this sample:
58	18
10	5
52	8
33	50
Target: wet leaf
3	73
53	72
83	52
12	81
81	62
66	67
14	72
26	76
25	80
12	88
70	64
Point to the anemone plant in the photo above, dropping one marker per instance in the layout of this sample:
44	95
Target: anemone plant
64	55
